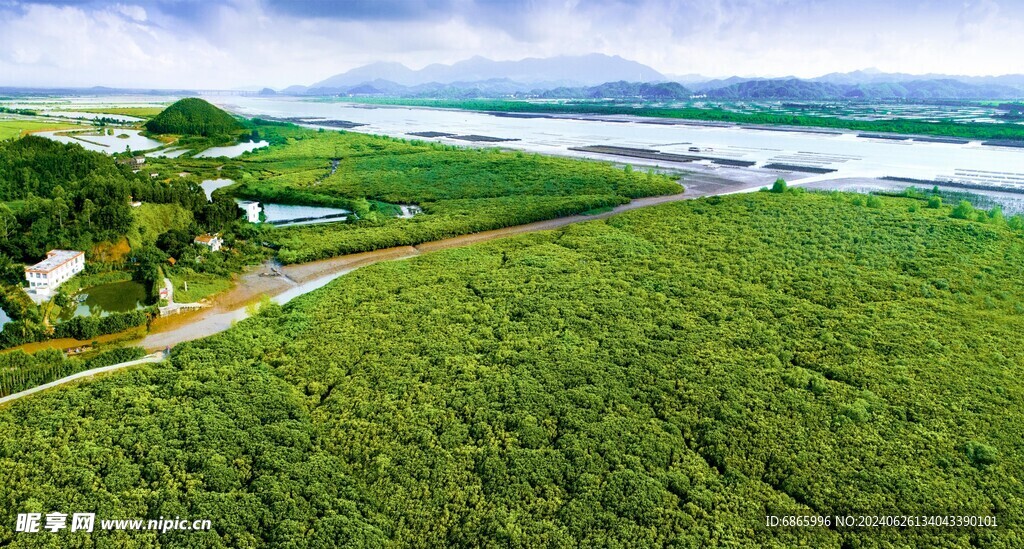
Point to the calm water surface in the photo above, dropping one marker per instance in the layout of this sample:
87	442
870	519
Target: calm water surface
850	155
115	297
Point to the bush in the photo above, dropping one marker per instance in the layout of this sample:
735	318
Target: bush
88	327
779	186
963	210
980	455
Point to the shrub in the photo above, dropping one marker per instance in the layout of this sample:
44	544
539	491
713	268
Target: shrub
980	455
963	210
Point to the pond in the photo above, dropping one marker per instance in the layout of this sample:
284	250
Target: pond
168	153
210	185
115	297
233	150
291	214
121	140
4	319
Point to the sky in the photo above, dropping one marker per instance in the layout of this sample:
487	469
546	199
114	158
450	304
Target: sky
232	44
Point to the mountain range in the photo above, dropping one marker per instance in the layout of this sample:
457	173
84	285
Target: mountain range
531	72
611	77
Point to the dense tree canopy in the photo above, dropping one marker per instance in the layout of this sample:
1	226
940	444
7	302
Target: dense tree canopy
667	377
193	116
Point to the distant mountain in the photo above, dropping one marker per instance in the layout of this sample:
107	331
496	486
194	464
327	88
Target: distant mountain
664	91
582	70
776	89
721	83
874	76
806	90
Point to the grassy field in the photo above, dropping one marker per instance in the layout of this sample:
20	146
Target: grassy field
139	112
460	190
665	377
200	285
10	129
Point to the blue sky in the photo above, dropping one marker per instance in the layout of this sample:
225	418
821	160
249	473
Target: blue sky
237	43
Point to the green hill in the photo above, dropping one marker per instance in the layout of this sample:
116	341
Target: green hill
665	378
193	116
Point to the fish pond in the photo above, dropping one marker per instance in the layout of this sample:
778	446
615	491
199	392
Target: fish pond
104	299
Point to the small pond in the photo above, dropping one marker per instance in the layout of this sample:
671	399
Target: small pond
115	297
291	214
4	319
168	153
210	185
231	151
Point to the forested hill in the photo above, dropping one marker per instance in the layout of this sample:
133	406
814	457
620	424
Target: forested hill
193	116
665	378
55	195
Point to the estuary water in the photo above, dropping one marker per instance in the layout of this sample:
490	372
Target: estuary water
845	152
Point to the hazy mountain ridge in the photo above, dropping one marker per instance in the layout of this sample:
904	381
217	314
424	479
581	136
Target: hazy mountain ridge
581	70
796	89
612	77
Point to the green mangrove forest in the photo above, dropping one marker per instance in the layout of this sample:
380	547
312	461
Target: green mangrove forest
667	377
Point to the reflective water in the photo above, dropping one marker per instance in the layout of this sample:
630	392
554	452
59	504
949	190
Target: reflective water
283	213
109	298
105	143
232	150
4	319
168	153
849	155
210	185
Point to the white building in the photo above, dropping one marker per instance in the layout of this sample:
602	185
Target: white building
252	211
60	265
211	241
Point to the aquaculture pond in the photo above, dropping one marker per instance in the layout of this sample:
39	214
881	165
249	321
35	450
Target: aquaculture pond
233	150
121	140
292	214
103	299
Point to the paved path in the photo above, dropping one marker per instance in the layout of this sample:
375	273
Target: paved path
148	359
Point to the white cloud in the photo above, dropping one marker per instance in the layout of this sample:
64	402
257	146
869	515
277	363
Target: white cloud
145	43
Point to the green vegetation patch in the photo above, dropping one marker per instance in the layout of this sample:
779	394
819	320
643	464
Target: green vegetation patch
666	377
11	129
153	220
20	371
139	112
460	190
